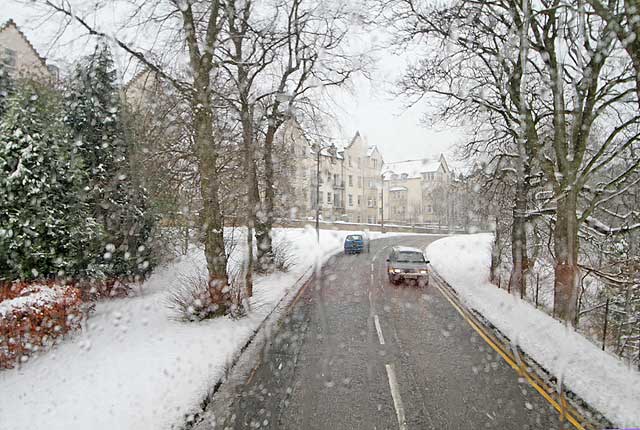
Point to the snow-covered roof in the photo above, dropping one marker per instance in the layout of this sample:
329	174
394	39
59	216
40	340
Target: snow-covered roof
371	150
411	168
327	152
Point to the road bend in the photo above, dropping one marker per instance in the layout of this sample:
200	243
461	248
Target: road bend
356	352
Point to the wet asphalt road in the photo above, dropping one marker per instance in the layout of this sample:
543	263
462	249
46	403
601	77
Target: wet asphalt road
326	366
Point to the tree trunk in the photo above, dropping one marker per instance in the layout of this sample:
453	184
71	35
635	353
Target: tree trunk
247	138
495	255
212	219
565	236
264	225
517	280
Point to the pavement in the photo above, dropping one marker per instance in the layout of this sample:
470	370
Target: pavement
356	352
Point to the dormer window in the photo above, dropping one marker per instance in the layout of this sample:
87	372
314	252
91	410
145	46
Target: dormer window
405	176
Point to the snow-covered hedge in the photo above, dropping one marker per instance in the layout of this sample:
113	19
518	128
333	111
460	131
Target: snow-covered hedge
35	317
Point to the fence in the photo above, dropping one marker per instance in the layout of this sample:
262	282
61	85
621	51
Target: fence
341	225
533	286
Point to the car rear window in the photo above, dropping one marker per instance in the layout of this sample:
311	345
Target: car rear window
410	257
354	237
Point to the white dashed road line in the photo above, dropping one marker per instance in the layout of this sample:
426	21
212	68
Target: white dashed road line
395	393
376	321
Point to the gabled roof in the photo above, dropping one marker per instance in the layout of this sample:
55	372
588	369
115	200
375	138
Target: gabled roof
413	168
371	150
12	23
353	139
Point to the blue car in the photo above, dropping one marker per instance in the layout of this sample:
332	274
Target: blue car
355	244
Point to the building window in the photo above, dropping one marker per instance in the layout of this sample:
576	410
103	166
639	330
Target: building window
351	180
329	198
375	163
328	177
349	160
359	181
359	201
9	58
320	195
370	202
350	200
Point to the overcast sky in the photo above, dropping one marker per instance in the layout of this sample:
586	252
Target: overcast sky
369	108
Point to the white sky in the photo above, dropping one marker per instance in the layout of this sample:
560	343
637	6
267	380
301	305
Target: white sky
369	108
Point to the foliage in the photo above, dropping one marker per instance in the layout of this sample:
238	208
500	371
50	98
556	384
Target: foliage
46	224
117	198
37	318
192	299
283	255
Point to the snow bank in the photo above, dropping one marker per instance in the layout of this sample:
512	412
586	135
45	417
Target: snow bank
599	378
133	366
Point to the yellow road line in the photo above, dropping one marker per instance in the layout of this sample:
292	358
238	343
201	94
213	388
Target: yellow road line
521	371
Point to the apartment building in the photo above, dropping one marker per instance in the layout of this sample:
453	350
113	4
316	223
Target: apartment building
350	180
18	56
415	191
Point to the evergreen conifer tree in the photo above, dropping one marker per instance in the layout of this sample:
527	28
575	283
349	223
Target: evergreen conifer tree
45	224
94	116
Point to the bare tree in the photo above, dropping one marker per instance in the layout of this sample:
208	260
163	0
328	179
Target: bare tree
197	25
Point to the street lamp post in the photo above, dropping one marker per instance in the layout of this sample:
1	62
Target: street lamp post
382	203
318	149
382	199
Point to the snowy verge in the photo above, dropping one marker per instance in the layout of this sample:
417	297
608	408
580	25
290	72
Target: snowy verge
133	366
598	377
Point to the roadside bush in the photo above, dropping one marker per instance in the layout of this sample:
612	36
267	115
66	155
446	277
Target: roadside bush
283	256
111	289
191	300
35	317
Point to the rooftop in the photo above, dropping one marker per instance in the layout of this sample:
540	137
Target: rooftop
412	168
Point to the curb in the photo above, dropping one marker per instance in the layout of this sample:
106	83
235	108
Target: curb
570	406
194	420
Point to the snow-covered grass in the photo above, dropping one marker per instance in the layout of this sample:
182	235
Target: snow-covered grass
600	378
136	367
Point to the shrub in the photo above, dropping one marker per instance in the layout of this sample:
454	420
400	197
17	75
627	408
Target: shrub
192	298
36	318
109	289
283	256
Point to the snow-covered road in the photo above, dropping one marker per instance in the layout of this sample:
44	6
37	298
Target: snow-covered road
134	367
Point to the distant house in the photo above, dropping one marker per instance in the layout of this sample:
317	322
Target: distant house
415	191
349	178
142	88
19	58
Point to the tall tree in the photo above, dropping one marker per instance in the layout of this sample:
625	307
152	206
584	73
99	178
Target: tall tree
47	225
196	26
118	200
